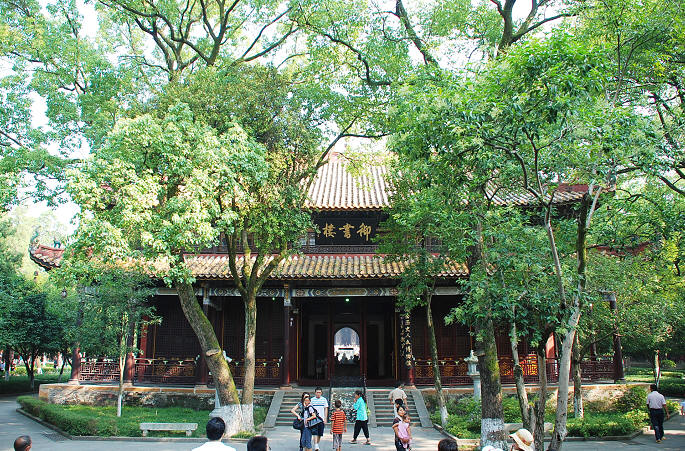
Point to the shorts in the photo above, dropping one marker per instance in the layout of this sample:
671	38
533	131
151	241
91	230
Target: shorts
337	441
317	429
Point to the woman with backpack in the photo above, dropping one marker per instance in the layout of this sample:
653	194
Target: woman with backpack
362	420
308	417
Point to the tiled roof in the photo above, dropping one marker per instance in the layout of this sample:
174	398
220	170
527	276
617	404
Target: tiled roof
46	256
318	266
336	189
328	266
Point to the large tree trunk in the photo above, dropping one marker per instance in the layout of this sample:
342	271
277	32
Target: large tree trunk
436	363
538	417
492	424
247	401
8	355
223	379
560	431
578	411
521	393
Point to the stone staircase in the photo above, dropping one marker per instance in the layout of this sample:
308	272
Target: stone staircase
289	400
384	411
381	412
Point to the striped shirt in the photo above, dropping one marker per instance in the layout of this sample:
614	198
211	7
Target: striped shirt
338	420
320	404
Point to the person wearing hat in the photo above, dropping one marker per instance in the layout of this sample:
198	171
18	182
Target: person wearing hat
523	440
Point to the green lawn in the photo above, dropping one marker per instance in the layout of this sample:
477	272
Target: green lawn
102	421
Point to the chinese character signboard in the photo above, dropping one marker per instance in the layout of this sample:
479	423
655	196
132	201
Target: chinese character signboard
346	230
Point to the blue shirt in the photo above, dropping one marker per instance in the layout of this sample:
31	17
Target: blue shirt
360	407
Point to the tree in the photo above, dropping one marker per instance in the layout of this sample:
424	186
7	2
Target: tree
118	309
29	327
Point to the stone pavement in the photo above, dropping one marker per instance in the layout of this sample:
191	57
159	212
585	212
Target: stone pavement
13	424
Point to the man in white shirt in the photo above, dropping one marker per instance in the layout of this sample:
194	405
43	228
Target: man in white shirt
398	393
656	403
215	430
321	405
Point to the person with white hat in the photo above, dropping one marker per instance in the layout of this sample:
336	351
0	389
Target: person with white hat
523	440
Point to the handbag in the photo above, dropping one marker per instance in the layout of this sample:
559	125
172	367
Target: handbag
316	420
298	424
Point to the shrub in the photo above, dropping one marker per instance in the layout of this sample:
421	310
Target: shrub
603	425
632	399
672	387
673	407
667	364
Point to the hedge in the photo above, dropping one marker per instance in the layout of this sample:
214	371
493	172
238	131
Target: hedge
672	387
102	421
607	425
20	384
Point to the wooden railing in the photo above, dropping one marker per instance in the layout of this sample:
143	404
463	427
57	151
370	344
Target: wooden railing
454	372
99	370
164	371
173	371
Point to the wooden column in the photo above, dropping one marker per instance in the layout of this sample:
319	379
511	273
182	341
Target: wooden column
76	350
285	361
329	341
130	362
364	345
406	349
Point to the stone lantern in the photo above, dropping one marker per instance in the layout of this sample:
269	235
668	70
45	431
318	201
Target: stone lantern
473	372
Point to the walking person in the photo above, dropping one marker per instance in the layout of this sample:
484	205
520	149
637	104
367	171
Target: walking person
401	412
656	403
523	440
362	419
321	405
448	444
298	411
215	431
338	425
398	394
404	432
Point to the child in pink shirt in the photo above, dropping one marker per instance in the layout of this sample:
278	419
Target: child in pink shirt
404	432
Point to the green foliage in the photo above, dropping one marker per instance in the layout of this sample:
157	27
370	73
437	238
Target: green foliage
672	387
632	399
102	421
20	383
607	425
667	364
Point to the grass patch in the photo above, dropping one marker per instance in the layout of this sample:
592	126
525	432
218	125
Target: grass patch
20	384
102	421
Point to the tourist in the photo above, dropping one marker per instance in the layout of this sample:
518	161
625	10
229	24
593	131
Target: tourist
321	405
404	431
401	412
338	425
448	444
22	443
523	440
398	393
362	419
310	417
656	403
399	403
215	430
298	411
258	443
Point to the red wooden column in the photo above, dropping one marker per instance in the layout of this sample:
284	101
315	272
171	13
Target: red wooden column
130	362
406	349
285	362
76	350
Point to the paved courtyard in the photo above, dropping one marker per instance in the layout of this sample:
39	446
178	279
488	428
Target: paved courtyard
13	424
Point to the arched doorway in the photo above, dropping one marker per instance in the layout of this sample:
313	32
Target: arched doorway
347	352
